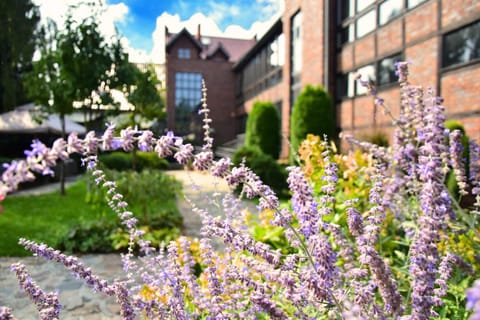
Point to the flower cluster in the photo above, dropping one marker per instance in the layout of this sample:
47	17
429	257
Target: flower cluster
334	265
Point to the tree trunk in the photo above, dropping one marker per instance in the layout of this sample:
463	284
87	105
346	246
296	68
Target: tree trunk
62	163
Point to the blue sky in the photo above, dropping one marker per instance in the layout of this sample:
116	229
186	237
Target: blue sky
140	21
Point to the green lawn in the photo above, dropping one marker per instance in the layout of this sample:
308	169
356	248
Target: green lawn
45	218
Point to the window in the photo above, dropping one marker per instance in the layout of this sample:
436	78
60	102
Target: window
366	23
346	35
413	3
184	53
188	93
462	46
296	56
367	74
296	43
346	85
386	69
346	9
362	4
388	10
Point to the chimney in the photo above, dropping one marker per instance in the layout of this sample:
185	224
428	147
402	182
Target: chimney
199	35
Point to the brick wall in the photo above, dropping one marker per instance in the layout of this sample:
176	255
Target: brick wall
220	82
312	53
424	28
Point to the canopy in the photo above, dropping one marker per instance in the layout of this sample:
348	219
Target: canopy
22	120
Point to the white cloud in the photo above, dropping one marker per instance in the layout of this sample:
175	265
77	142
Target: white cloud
209	27
219	11
57	10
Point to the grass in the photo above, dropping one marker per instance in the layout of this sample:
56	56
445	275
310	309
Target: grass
45	218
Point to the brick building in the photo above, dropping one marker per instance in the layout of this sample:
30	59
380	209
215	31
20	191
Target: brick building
326	42
441	39
189	59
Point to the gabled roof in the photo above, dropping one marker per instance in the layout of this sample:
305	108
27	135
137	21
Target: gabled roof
220	50
177	36
275	29
208	45
235	48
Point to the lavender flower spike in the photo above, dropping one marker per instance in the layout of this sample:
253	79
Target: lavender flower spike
473	300
6	314
47	303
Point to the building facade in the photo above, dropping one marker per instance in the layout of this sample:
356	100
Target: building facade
327	42
189	60
441	40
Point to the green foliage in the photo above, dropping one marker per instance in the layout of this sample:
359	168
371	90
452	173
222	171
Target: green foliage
121	161
355	182
45	218
146	97
151	196
90	236
313	113
266	167
18	24
263	128
378	137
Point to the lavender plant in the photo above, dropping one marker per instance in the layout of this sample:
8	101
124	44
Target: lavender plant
332	271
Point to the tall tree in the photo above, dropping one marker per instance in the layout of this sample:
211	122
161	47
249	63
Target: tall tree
18	25
73	63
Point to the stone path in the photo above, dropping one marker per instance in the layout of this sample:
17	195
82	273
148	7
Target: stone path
78	301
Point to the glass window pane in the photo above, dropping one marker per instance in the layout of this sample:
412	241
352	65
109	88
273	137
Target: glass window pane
366	23
389	10
462	46
367	73
386	70
362	4
346	9
296	43
281	49
413	3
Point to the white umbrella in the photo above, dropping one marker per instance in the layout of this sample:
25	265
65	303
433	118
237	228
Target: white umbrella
22	120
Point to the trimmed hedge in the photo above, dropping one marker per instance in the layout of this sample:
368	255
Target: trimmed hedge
313	113
265	166
122	161
263	128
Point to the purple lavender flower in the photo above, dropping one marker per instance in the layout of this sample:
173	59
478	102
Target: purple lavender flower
127	138
456	153
6	314
203	160
473	300
220	168
59	149
474	166
145	140
74	144
47	303
90	143
303	203
184	154
165	144
108	138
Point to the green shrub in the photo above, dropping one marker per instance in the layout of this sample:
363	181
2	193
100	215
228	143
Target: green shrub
266	167
151	195
313	113
263	128
150	160
121	161
378	137
91	237
116	160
